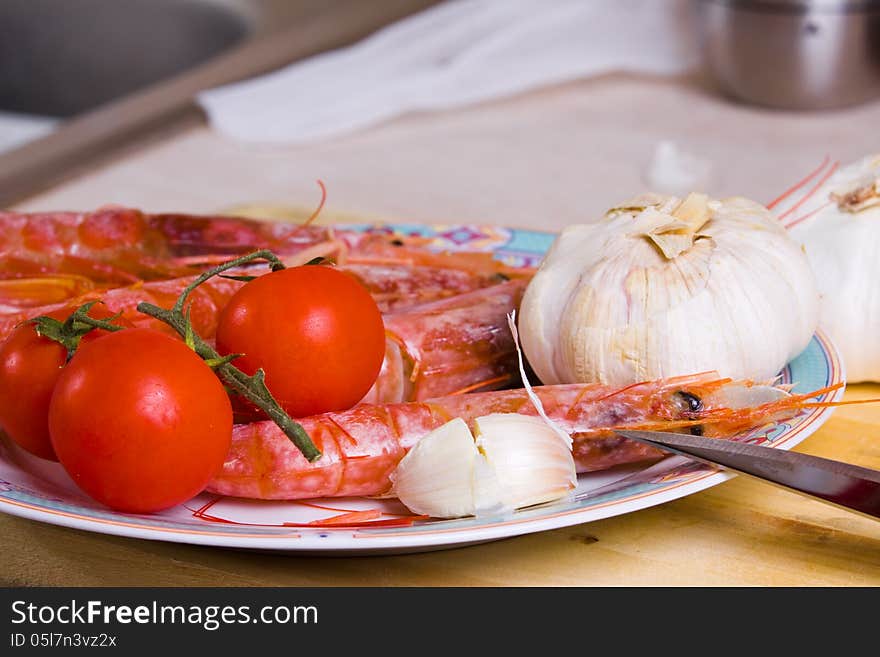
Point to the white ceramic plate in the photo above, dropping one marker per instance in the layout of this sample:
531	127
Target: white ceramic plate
40	490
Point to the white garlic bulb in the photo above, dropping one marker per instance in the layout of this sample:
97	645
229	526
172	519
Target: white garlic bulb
515	461
663	287
842	242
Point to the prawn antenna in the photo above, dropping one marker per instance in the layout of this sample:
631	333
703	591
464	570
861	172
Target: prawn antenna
803	181
812	191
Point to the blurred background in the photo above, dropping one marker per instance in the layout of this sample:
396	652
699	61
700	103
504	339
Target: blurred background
61	58
660	92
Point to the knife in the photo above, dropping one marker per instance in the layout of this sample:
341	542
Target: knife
842	484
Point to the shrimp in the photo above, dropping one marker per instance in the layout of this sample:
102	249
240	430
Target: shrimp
450	346
362	446
394	288
117	243
455	344
205	303
48	257
399	287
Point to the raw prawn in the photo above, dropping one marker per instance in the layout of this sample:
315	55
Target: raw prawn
48	257
394	287
362	446
205	303
122	244
457	344
452	346
400	287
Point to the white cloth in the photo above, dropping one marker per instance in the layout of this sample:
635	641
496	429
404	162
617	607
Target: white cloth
457	53
18	129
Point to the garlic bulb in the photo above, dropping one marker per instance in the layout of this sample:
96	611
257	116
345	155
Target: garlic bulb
516	461
842	242
662	287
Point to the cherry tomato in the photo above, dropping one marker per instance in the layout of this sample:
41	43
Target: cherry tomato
314	330
29	368
139	421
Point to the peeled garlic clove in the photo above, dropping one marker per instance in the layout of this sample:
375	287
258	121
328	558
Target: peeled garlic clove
531	462
436	477
517	461
488	490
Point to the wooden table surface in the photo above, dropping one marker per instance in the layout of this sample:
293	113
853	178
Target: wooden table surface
544	160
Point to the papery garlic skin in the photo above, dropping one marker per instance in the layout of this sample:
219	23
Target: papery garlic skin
646	293
842	242
516	461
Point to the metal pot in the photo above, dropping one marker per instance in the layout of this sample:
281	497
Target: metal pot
793	54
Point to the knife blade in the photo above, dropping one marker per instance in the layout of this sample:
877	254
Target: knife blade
842	484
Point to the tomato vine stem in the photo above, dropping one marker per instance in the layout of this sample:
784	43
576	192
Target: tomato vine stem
251	387
69	333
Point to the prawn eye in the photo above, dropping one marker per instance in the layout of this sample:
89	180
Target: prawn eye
689	405
689	402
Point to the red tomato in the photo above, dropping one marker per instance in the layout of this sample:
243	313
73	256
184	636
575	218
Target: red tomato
315	331
139	421
29	368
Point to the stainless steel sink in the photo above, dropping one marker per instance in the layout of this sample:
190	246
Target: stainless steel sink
64	57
